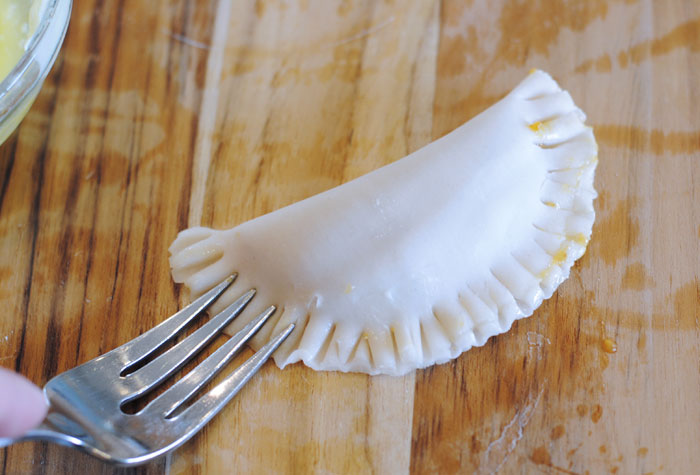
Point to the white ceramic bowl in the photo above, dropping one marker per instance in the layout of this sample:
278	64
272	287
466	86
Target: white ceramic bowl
21	86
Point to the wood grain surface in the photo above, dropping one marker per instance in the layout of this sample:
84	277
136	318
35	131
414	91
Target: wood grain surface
163	114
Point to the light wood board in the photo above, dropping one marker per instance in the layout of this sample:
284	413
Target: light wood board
164	114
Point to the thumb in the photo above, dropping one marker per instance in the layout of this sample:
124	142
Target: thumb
22	404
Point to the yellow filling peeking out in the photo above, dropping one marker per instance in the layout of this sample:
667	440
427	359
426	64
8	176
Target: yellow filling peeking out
579	238
559	257
535	127
541	128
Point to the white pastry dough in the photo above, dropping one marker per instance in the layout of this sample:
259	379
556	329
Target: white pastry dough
418	261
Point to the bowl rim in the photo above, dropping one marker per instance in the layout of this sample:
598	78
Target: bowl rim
35	41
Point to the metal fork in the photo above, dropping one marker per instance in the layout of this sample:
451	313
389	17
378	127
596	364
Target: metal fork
86	402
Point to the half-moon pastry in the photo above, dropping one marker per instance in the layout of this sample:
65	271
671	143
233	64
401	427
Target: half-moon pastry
418	261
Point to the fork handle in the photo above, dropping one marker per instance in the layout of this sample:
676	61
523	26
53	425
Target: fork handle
56	428
43	432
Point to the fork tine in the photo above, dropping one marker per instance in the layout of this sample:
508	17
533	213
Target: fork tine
145	344
180	392
155	372
198	414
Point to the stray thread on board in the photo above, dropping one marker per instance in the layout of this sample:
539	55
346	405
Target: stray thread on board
497	452
536	341
187	41
363	33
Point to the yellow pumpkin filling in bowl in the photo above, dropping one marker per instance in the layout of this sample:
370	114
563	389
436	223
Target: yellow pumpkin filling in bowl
14	32
31	34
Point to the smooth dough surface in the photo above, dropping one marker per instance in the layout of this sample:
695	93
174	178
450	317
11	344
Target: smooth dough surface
418	261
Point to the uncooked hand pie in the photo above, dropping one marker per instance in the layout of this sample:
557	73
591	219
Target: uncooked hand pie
418	261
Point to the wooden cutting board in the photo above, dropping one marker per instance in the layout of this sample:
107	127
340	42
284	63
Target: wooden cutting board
164	114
